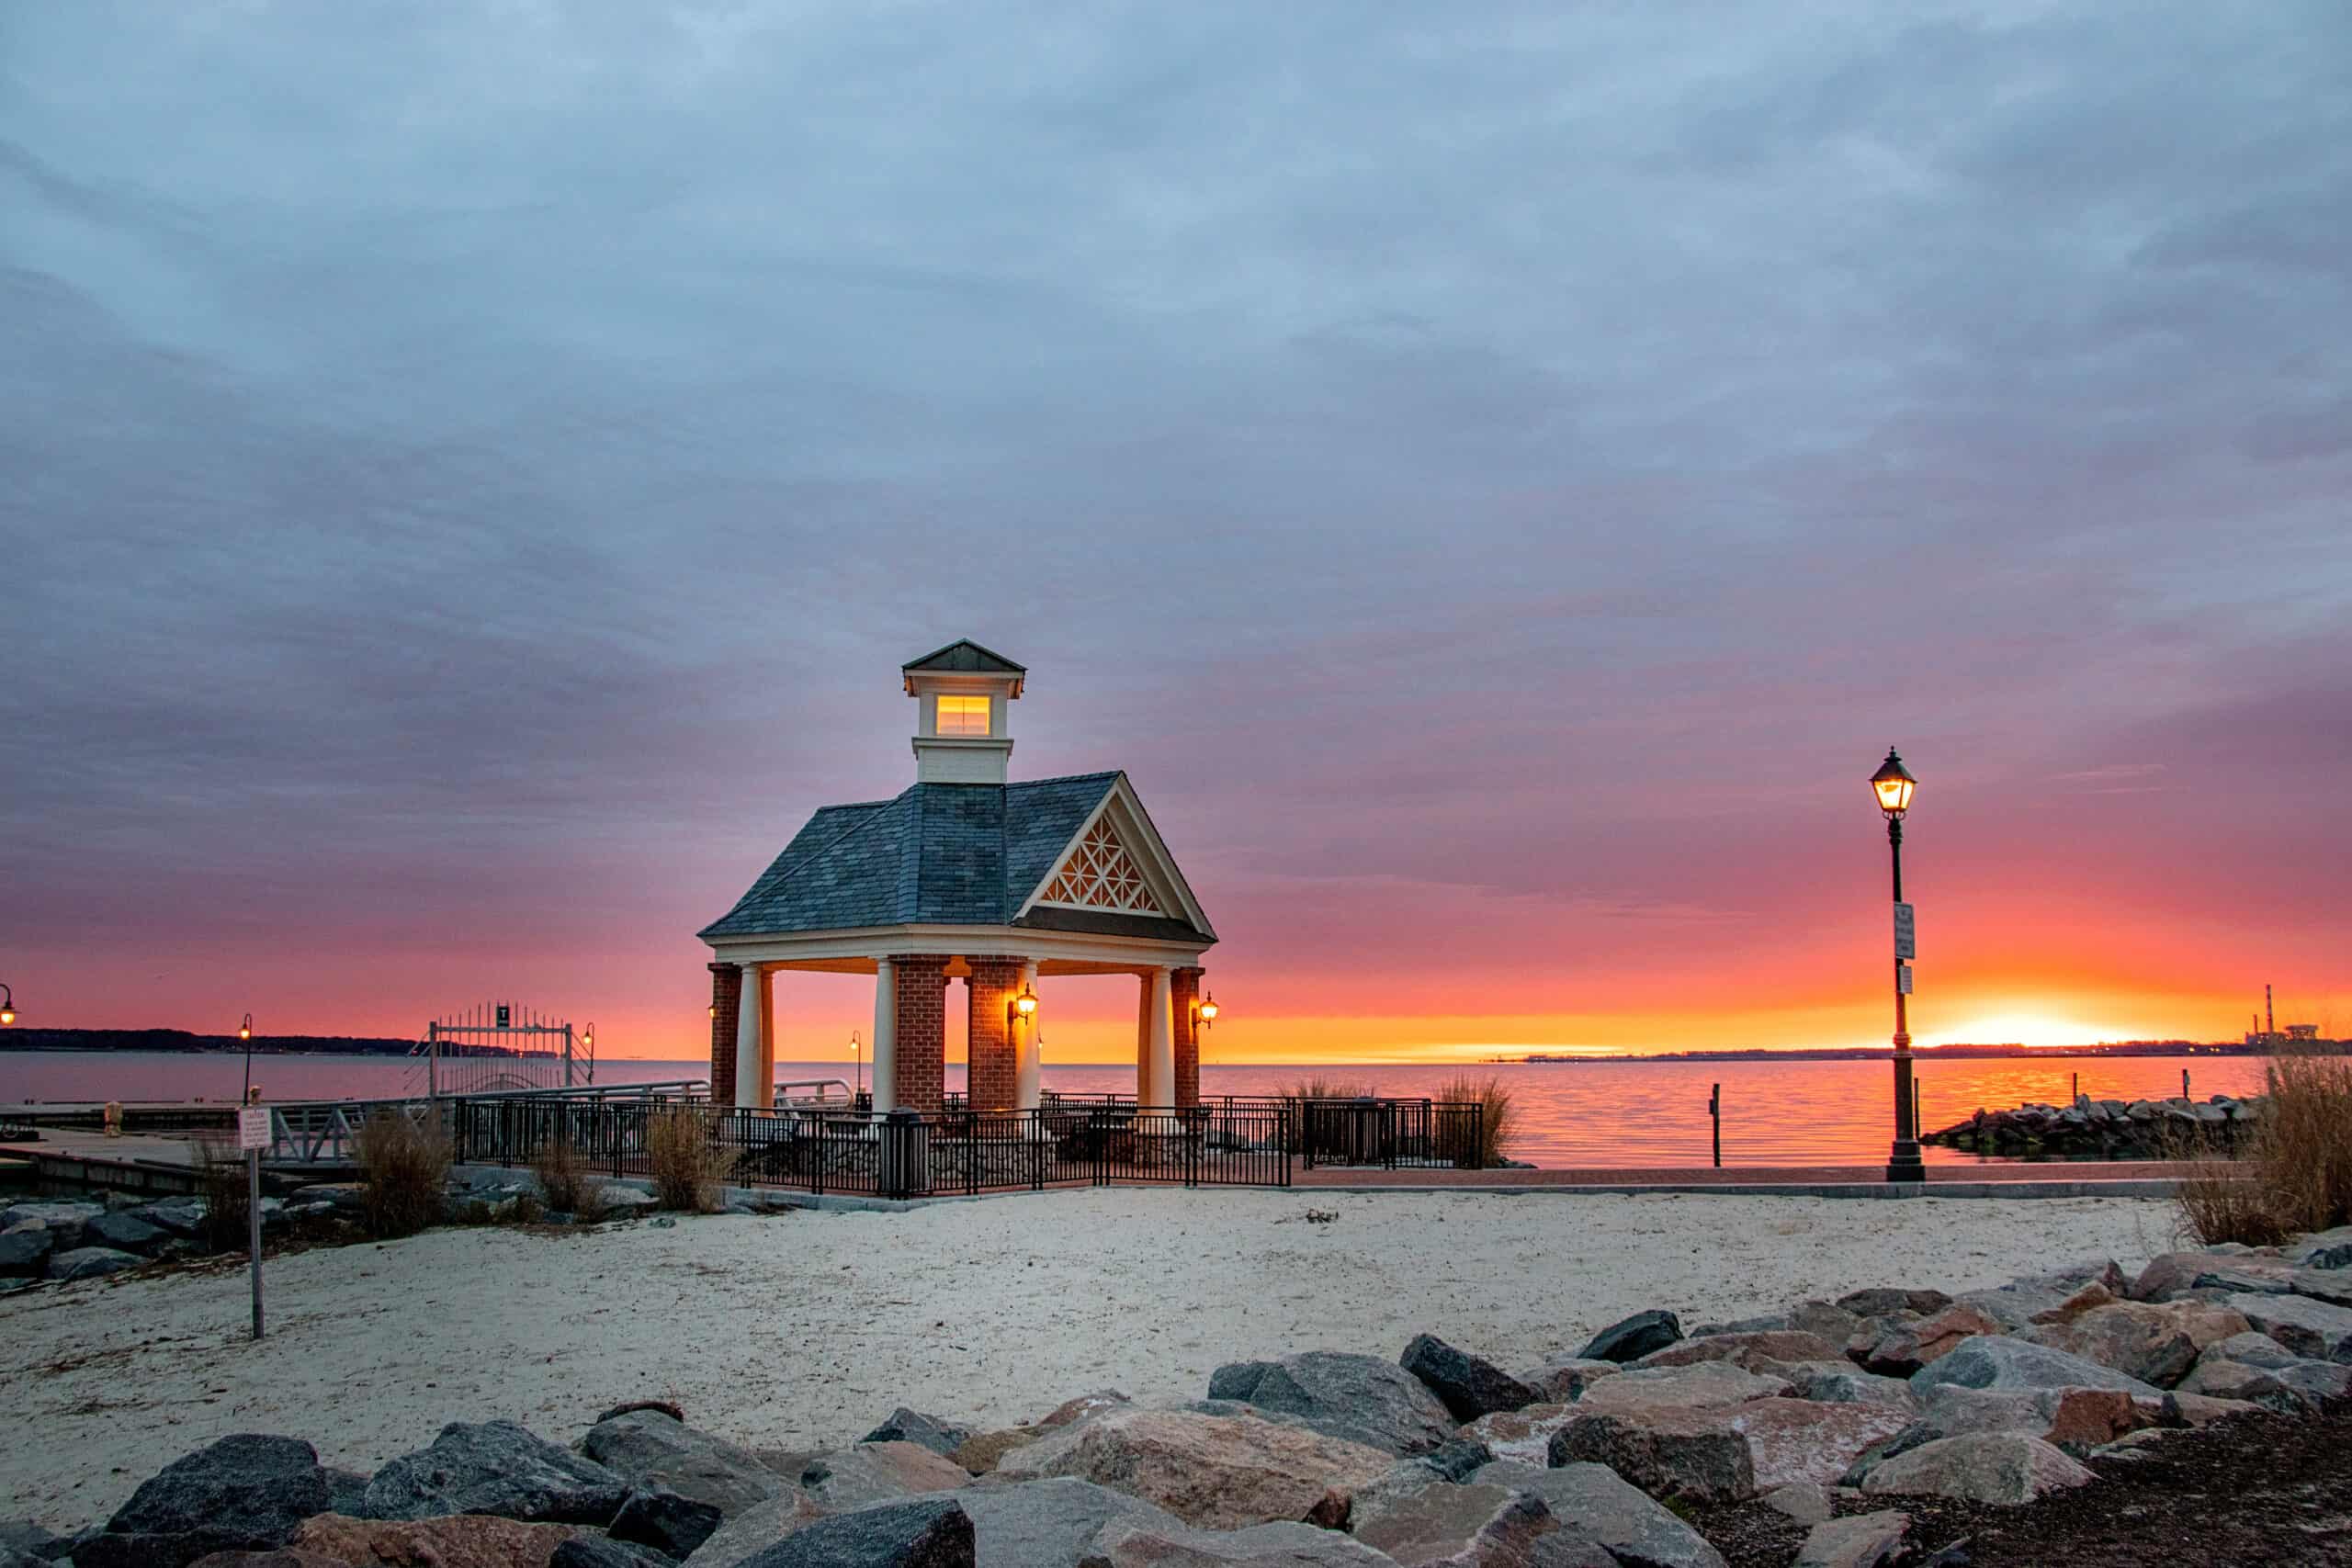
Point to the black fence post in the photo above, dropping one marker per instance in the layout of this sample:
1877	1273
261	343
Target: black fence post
896	1154
1715	1115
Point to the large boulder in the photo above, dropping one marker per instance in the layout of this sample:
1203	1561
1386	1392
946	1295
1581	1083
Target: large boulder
1993	1361
1794	1440
1985	1467
980	1454
2293	1387
24	1252
2322	1249
89	1263
1211	1472
1467	1385
753	1529
654	1450
936	1433
1051	1523
1123	1545
2177	1273
455	1540
1748	1351
1825	1320
183	1217
1901	1346
586	1551
1524	1435
496	1467
1858	1540
671	1524
879	1473
64	1220
1680	1388
2074	1419
1631	1338
1593	1500
1452	1526
125	1232
1360	1399
1564	1383
2309	1328
1892	1302
1838	1382
917	1532
1087	1406
2023	1301
241	1494
2156	1343
1680	1453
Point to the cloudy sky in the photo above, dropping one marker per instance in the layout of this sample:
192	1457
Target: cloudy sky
1496	478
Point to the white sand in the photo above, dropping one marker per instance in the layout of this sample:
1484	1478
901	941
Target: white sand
804	1330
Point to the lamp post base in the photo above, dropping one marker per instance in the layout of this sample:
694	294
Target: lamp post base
1904	1163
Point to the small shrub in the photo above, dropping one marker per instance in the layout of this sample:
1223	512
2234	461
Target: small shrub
403	1167
1315	1086
221	1174
529	1210
2302	1142
1498	1126
566	1182
2219	1199
689	1163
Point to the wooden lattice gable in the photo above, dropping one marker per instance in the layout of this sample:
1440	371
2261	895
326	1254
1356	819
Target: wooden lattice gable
1116	864
1100	874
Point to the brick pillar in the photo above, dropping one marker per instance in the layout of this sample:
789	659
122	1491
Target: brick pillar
725	999
995	1066
919	1032
1185	989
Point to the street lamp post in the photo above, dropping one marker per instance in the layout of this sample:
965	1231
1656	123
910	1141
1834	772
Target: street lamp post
246	1033
1893	784
857	1055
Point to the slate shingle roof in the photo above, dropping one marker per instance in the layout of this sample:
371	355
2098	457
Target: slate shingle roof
963	654
939	855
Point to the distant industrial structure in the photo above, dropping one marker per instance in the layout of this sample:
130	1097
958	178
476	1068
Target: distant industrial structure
2267	1034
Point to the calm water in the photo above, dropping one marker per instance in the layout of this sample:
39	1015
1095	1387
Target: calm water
1588	1114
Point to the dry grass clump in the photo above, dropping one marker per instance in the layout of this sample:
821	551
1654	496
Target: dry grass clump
2293	1174
566	1183
220	1177
689	1163
403	1167
1317	1086
1498	1124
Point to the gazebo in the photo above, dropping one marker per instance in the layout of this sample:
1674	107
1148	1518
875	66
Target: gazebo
966	877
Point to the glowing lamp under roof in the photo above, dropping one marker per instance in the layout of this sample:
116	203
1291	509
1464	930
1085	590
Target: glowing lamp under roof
1893	783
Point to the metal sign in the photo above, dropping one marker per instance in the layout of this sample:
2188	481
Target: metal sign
253	1127
1907	942
1902	979
502	1016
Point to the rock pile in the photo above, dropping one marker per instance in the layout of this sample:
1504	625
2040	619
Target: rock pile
2104	1129
1835	1414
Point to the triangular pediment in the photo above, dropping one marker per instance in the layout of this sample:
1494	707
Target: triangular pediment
1115	864
1099	872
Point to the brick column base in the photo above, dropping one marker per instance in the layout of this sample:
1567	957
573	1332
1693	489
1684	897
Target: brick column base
994	1065
1183	991
920	1032
726	1003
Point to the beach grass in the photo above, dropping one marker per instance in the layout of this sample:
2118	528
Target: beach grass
403	1164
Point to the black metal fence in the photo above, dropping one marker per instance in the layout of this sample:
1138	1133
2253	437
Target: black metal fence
905	1155
1392	1133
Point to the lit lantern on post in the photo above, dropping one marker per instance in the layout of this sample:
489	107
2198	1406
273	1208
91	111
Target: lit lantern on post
7	1004
1892	785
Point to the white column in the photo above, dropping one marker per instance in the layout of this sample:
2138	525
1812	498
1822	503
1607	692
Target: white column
886	1036
754	1081
1163	1040
1024	1049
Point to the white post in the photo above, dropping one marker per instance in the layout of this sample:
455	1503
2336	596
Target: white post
749	1052
1024	1049
885	1041
1163	1039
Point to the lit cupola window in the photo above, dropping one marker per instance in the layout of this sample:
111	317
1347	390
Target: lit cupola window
961	715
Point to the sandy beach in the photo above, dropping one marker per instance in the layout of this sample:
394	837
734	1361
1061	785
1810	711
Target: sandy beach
803	1330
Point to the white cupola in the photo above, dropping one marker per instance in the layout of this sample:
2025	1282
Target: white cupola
962	734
